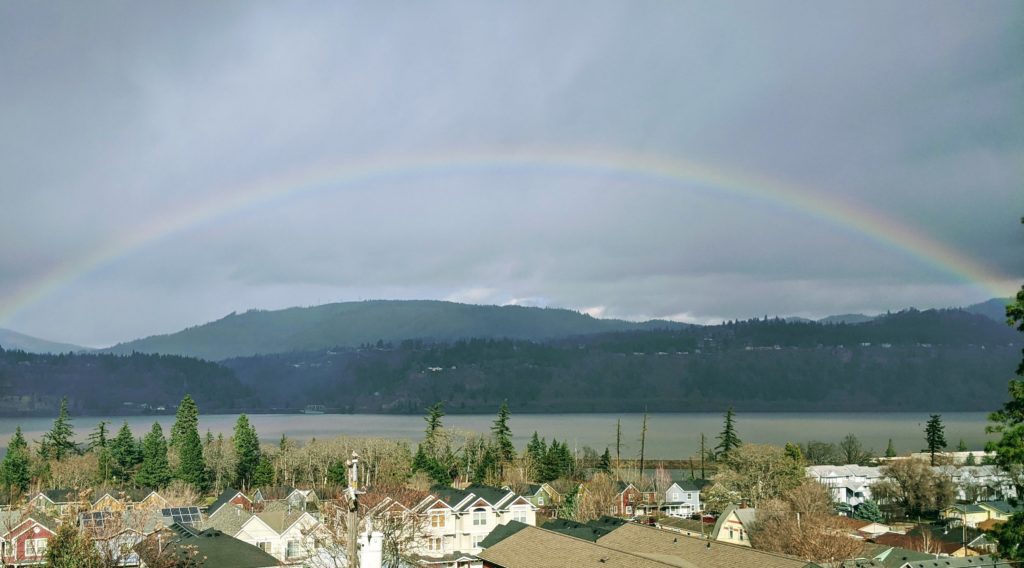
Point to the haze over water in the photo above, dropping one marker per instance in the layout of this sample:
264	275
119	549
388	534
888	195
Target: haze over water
669	435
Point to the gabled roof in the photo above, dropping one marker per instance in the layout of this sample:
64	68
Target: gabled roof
229	519
224	498
463	499
60	495
532	547
1001	507
281	521
12	520
673	546
219	549
687	485
746	516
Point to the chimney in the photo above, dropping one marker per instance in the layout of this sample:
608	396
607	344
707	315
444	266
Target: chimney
372	550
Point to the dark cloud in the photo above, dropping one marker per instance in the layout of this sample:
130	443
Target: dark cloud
119	117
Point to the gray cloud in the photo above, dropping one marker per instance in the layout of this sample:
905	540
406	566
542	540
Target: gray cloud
118	117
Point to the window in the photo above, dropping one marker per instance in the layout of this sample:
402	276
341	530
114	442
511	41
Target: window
519	515
479	518
264	546
540	499
294	549
435	544
730	534
674	497
741	534
689	496
35	547
477	538
437	520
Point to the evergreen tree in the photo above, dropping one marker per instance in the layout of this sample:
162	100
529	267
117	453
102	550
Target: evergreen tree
605	464
970	460
935	436
264	474
59	442
155	471
186	420
284	444
1008	422
537	448
191	465
98	438
890	450
728	440
247	452
124	452
338	474
15	470
868	511
506	451
962	446
434	426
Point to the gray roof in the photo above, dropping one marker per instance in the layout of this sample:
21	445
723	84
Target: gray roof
229	520
219	549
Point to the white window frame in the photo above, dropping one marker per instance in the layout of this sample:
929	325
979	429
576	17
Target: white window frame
435	544
476	539
265	545
438	519
35	546
290	552
519	515
479	517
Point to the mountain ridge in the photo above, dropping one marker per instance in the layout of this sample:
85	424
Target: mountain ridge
13	340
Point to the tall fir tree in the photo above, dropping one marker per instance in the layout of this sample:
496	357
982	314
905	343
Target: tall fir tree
59	442
98	437
15	469
434	425
890	450
506	451
125	453
191	465
155	471
605	463
247	452
728	439
537	448
186	419
1008	423
935	435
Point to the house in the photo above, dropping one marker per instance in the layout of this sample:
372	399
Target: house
306	499
25	537
681	499
542	496
532	547
230	497
688	527
940	540
284	534
457	520
850	484
115	534
215	547
121	500
1000	510
627	501
57	502
859	528
969	514
733	525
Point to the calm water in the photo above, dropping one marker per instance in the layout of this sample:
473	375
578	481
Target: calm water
669	435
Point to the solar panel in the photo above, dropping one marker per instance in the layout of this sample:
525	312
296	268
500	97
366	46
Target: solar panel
95	519
183	515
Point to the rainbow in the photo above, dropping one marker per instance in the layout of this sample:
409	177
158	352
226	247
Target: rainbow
844	215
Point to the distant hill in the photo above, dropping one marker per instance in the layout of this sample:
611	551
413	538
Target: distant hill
352	324
934	360
33	384
12	340
847	318
994	309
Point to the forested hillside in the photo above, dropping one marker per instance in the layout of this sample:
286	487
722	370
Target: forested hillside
101	384
932	360
353	323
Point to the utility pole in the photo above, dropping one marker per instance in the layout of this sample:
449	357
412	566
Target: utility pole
353	511
643	442
702	451
618	443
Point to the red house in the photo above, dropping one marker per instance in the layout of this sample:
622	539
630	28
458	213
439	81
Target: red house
230	497
627	500
25	537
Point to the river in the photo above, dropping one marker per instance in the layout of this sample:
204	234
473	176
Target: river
669	436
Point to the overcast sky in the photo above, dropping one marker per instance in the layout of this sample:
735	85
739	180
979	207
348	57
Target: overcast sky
123	123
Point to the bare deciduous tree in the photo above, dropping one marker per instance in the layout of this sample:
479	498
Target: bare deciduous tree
802	523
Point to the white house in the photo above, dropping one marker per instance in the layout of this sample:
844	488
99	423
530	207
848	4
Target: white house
850	484
284	534
458	520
